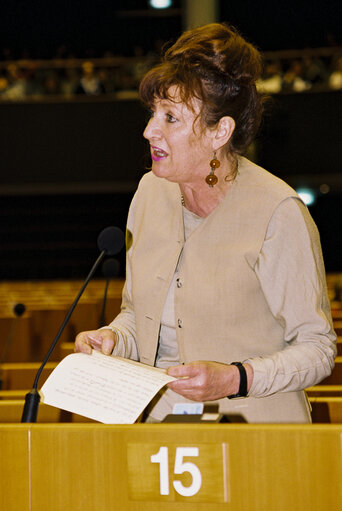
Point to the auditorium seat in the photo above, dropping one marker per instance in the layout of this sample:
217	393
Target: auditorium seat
338	327
47	303
15	338
324	391
326	409
339	346
18	376
336	376
11	412
12	394
336	314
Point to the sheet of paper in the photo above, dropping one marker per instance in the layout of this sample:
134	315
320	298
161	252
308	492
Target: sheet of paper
111	390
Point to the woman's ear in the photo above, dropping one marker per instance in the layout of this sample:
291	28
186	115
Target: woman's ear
223	132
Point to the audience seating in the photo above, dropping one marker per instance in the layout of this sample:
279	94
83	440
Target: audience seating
324	391
326	409
339	346
336	376
25	340
47	304
21	375
11	411
15	338
338	327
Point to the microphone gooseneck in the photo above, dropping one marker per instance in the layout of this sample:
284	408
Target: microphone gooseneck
110	241
110	270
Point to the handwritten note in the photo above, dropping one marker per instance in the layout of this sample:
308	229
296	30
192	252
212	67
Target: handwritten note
111	390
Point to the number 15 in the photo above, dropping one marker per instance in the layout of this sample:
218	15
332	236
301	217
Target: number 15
162	457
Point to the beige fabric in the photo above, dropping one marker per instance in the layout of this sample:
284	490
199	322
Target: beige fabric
224	308
167	354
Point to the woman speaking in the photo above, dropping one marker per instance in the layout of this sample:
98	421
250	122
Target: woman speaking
225	283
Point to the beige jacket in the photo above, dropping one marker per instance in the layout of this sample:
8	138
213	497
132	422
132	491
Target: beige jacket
224	308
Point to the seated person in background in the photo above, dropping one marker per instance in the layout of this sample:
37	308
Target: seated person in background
272	80
225	283
294	79
90	84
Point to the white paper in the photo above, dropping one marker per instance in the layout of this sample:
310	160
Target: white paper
112	390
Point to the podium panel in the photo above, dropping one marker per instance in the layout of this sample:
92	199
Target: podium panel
171	467
14	468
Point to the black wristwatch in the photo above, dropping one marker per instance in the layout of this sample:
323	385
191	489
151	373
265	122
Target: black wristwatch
242	392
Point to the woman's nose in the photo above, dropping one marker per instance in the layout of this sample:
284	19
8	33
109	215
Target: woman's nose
152	130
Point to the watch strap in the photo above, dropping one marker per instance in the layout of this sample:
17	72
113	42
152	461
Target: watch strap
242	392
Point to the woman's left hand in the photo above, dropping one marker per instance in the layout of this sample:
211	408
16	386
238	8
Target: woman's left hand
207	381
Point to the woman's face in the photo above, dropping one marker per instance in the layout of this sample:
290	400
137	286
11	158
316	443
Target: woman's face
180	151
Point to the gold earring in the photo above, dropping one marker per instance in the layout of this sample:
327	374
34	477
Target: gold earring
211	179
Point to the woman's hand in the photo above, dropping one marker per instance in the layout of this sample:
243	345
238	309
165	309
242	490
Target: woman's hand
207	381
101	340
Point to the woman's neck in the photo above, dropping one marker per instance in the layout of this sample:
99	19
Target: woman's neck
201	199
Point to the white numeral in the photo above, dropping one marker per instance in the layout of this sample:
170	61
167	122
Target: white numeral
162	457
180	468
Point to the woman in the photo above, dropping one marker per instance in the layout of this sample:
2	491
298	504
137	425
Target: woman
225	283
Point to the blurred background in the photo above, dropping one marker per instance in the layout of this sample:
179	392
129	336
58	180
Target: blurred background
71	144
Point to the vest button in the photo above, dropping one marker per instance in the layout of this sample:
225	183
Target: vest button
180	323
179	283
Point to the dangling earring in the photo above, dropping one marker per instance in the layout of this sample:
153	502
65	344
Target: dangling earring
211	179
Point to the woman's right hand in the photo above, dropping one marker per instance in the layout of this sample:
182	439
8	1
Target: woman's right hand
101	340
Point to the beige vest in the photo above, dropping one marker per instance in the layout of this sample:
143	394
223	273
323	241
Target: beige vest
221	312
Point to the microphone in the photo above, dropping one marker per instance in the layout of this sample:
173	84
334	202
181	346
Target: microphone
110	269
110	241
18	310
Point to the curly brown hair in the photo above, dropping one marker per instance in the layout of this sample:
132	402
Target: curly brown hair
219	67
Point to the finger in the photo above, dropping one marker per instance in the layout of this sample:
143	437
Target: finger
183	384
108	342
82	347
85	341
95	340
184	370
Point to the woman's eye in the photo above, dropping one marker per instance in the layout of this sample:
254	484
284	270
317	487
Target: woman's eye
170	118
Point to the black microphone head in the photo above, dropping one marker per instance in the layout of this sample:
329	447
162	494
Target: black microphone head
111	240
19	309
110	268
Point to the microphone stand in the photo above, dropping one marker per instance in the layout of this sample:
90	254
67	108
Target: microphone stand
32	398
103	311
110	269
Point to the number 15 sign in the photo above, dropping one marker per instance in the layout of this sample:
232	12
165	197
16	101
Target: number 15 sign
173	472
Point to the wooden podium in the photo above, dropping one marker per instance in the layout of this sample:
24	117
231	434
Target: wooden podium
170	467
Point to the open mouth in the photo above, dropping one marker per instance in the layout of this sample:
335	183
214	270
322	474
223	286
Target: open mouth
158	154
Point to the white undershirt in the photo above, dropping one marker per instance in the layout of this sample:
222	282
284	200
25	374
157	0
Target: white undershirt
167	354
